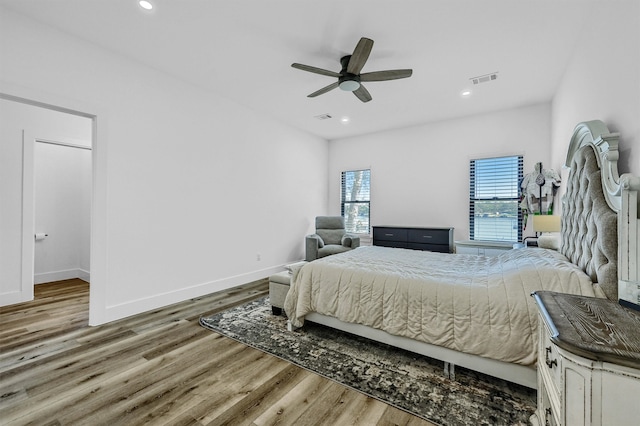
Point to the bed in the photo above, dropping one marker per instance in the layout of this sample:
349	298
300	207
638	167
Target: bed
476	311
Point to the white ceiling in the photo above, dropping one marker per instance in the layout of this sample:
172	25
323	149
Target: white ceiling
243	50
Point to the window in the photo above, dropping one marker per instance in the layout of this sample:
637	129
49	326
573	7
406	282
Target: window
354	204
494	213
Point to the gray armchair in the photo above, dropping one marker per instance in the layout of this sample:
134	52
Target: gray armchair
330	238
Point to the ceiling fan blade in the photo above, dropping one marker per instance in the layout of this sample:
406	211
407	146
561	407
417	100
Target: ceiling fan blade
362	94
385	75
360	55
315	70
323	90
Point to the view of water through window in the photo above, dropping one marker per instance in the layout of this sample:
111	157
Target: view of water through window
494	213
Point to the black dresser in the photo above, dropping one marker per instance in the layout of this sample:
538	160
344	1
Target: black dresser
432	239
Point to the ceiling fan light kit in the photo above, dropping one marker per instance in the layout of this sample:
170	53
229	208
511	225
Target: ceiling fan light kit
349	85
349	77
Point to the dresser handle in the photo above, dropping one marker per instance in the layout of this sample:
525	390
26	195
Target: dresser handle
550	363
427	236
388	235
547	413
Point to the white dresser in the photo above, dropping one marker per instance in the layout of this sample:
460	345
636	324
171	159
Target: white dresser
588	362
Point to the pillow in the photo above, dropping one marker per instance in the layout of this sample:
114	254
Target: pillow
549	242
346	241
320	240
293	266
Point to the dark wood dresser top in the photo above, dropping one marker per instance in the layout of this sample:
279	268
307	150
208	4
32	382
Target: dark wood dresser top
594	328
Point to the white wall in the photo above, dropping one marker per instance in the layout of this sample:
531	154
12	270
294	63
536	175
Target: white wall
62	210
420	175
189	187
39	123
602	82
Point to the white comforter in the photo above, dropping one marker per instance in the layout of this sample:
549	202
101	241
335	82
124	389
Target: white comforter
474	304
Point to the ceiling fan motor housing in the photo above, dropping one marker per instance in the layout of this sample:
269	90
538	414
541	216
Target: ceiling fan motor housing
347	81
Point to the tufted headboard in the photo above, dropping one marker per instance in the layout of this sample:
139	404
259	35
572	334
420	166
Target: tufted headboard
589	225
600	223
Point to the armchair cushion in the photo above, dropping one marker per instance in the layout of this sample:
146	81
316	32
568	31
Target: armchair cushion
319	238
331	236
332	249
330	229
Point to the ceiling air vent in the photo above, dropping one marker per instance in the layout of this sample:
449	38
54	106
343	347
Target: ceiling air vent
484	78
323	116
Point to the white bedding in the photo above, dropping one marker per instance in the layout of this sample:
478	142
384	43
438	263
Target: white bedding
473	304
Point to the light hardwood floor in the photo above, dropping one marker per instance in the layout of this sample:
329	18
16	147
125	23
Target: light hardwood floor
159	367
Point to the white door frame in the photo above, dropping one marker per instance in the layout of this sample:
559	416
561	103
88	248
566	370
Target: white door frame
29	140
29	167
28	215
97	298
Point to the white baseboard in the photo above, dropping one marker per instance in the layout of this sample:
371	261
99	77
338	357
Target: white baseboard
13	297
115	312
68	274
84	275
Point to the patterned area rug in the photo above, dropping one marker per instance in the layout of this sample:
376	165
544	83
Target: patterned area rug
411	382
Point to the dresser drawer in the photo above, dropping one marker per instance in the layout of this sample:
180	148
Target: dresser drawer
441	248
396	244
549	360
547	415
429	236
389	234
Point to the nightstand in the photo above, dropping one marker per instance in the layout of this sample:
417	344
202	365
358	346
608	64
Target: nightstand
588	361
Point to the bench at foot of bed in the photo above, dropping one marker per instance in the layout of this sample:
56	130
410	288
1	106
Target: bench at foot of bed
278	288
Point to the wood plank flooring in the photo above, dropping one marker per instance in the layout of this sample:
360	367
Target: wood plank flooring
160	368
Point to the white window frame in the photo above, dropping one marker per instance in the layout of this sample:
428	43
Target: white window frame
497	185
363	198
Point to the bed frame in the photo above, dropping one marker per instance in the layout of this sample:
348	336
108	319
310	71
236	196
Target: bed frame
621	193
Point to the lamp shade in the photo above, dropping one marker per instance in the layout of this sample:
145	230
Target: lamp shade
546	223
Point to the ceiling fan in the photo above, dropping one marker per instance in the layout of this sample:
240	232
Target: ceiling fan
349	78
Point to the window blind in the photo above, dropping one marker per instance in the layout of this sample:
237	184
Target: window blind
355	197
494	196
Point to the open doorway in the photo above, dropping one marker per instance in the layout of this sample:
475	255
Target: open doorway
27	127
62	210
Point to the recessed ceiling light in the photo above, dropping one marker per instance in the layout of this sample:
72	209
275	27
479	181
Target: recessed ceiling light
345	120
465	93
145	5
